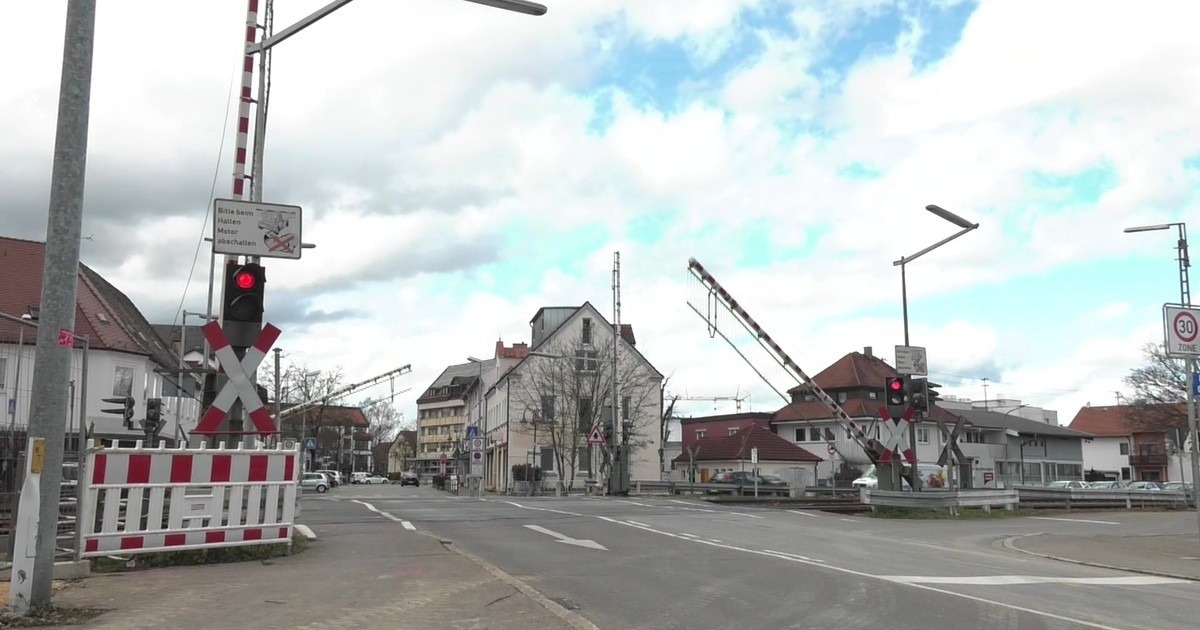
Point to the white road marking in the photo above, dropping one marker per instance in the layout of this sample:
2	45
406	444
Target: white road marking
408	526
1007	580
529	507
848	520
383	514
861	574
1073	520
788	556
637	523
632	503
802	512
563	538
746	515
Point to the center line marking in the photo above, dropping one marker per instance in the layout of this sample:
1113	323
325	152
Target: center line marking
802	512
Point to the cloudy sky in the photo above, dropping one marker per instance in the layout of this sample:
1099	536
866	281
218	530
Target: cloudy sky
461	166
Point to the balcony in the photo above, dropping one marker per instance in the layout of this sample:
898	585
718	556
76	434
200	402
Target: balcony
1156	459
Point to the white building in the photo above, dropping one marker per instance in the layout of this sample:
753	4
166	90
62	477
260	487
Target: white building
122	356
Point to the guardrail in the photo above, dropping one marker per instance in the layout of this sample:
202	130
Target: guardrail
985	499
1041	496
687	487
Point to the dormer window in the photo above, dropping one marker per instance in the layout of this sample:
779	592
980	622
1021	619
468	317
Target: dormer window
586	335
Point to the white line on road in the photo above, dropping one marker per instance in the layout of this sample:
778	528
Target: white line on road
1006	580
563	538
802	512
408	526
529	507
848	520
746	515
861	574
789	556
385	514
1073	520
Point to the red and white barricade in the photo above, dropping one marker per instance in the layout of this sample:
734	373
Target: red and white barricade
141	500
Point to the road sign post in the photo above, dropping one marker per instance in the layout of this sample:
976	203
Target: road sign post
239	385
911	360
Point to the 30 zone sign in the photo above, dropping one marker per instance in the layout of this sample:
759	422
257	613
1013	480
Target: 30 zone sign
1183	331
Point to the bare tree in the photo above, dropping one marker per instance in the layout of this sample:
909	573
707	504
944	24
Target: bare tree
1159	392
572	393
383	421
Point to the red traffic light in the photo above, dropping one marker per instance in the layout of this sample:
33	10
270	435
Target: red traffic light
895	384
244	280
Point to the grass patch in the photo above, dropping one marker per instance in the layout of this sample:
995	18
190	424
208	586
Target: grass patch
195	557
964	514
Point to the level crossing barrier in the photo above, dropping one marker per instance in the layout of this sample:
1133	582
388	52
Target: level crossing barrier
143	500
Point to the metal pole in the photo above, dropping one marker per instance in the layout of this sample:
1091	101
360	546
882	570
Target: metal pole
51	370
81	447
904	297
12	425
277	402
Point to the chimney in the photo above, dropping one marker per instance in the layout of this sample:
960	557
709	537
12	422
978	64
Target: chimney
499	347
867	351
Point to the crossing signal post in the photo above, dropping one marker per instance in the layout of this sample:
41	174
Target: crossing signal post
242	305
125	410
153	423
918	394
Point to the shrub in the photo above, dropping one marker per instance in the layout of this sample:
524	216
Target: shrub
526	472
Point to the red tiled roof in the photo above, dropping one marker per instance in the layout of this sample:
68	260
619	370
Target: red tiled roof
331	415
105	315
1107	421
814	410
771	447
853	370
627	334
517	351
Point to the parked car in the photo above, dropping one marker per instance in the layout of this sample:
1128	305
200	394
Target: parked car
1073	484
410	478
1145	485
1176	486
1107	485
314	481
335	477
373	479
358	477
772	480
932	475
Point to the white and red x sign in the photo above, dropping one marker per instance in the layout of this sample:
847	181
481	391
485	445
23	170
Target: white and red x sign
895	446
239	384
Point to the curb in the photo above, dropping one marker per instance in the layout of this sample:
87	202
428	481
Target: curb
573	618
306	531
1012	546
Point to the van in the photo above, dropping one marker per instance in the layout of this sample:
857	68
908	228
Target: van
932	476
359	477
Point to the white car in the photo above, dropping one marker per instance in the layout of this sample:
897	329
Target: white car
374	479
1073	484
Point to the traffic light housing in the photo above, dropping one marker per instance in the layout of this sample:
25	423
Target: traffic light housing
154	420
125	410
895	392
243	292
918	399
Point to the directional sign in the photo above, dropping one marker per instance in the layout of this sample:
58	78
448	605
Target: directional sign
239	384
1183	330
896	429
595	437
253	228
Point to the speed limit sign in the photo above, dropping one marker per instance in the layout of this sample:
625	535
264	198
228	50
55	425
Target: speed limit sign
1182	326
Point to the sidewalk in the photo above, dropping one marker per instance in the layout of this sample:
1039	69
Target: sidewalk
1167	555
363	575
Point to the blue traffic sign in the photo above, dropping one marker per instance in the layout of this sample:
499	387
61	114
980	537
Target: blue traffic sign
1196	383
310	444
472	432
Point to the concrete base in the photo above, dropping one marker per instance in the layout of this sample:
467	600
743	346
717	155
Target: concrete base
62	571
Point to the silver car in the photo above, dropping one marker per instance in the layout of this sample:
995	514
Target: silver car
314	481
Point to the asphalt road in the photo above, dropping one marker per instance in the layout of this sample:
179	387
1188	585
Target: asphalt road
674	563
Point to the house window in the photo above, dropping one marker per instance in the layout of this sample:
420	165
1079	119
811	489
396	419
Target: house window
586	336
586	361
801	434
625	408
828	434
841	397
873	395
733	430
122	381
922	435
547	455
1125	473
585	415
700	433
814	434
3	373
1124	448
1148	449
548	408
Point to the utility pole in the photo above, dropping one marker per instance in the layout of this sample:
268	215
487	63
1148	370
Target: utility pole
33	561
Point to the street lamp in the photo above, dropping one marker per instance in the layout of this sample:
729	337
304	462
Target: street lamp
966	226
1185	299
